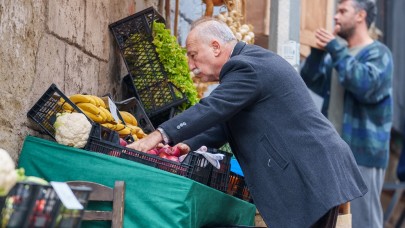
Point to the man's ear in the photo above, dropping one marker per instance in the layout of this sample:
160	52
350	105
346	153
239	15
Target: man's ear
361	16
216	47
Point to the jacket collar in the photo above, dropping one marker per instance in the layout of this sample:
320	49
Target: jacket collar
238	48
236	51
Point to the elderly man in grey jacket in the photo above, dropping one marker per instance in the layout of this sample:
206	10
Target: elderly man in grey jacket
296	166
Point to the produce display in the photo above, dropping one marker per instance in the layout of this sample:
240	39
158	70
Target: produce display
29	201
242	32
132	125
174	60
96	109
8	176
92	106
72	129
147	73
166	152
233	17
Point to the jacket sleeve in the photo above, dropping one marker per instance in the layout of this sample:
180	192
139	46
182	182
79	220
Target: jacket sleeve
314	71
367	76
239	88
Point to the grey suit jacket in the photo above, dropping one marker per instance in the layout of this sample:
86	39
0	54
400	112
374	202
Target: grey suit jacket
295	164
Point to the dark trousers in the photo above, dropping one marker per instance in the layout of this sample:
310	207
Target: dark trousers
328	220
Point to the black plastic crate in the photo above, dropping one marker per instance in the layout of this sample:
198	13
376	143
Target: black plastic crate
100	137
147	80
194	166
2	201
219	178
156	98
164	116
45	109
45	209
133	106
71	217
105	141
18	204
238	188
34	205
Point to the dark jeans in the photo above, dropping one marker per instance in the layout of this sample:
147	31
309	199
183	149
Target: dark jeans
328	220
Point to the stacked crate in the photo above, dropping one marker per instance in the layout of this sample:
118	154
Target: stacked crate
146	80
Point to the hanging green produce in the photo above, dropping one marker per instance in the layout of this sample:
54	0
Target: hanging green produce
174	60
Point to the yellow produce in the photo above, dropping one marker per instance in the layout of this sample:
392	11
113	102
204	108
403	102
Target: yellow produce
109	125
99	101
140	134
104	115
94	117
134	129
135	137
129	118
125	131
110	118
81	98
89	107
66	106
119	126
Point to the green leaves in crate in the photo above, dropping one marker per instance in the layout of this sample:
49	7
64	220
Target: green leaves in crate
174	60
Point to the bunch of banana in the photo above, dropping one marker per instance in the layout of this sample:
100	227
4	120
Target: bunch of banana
128	118
136	132
118	127
65	106
132	124
93	107
125	130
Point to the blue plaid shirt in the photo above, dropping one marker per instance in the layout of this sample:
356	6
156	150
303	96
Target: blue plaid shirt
367	80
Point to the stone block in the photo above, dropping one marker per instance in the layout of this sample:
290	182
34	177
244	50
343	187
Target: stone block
108	81
81	72
120	9
12	122
49	66
96	34
20	29
66	19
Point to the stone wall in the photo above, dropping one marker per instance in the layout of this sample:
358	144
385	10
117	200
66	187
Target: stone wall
65	42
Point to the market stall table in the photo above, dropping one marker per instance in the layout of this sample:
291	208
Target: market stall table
153	198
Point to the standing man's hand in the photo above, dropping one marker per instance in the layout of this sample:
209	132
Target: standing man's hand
323	36
147	143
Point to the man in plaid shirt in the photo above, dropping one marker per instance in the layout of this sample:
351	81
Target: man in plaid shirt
354	77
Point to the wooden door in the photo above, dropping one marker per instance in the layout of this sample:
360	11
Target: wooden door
314	14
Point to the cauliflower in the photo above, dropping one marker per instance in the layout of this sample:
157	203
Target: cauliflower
72	129
8	175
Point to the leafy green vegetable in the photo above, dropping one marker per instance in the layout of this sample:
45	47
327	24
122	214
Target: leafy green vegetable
174	60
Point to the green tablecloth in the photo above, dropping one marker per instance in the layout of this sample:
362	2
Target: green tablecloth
154	198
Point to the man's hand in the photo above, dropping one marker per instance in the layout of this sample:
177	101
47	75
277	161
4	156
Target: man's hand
323	37
147	143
